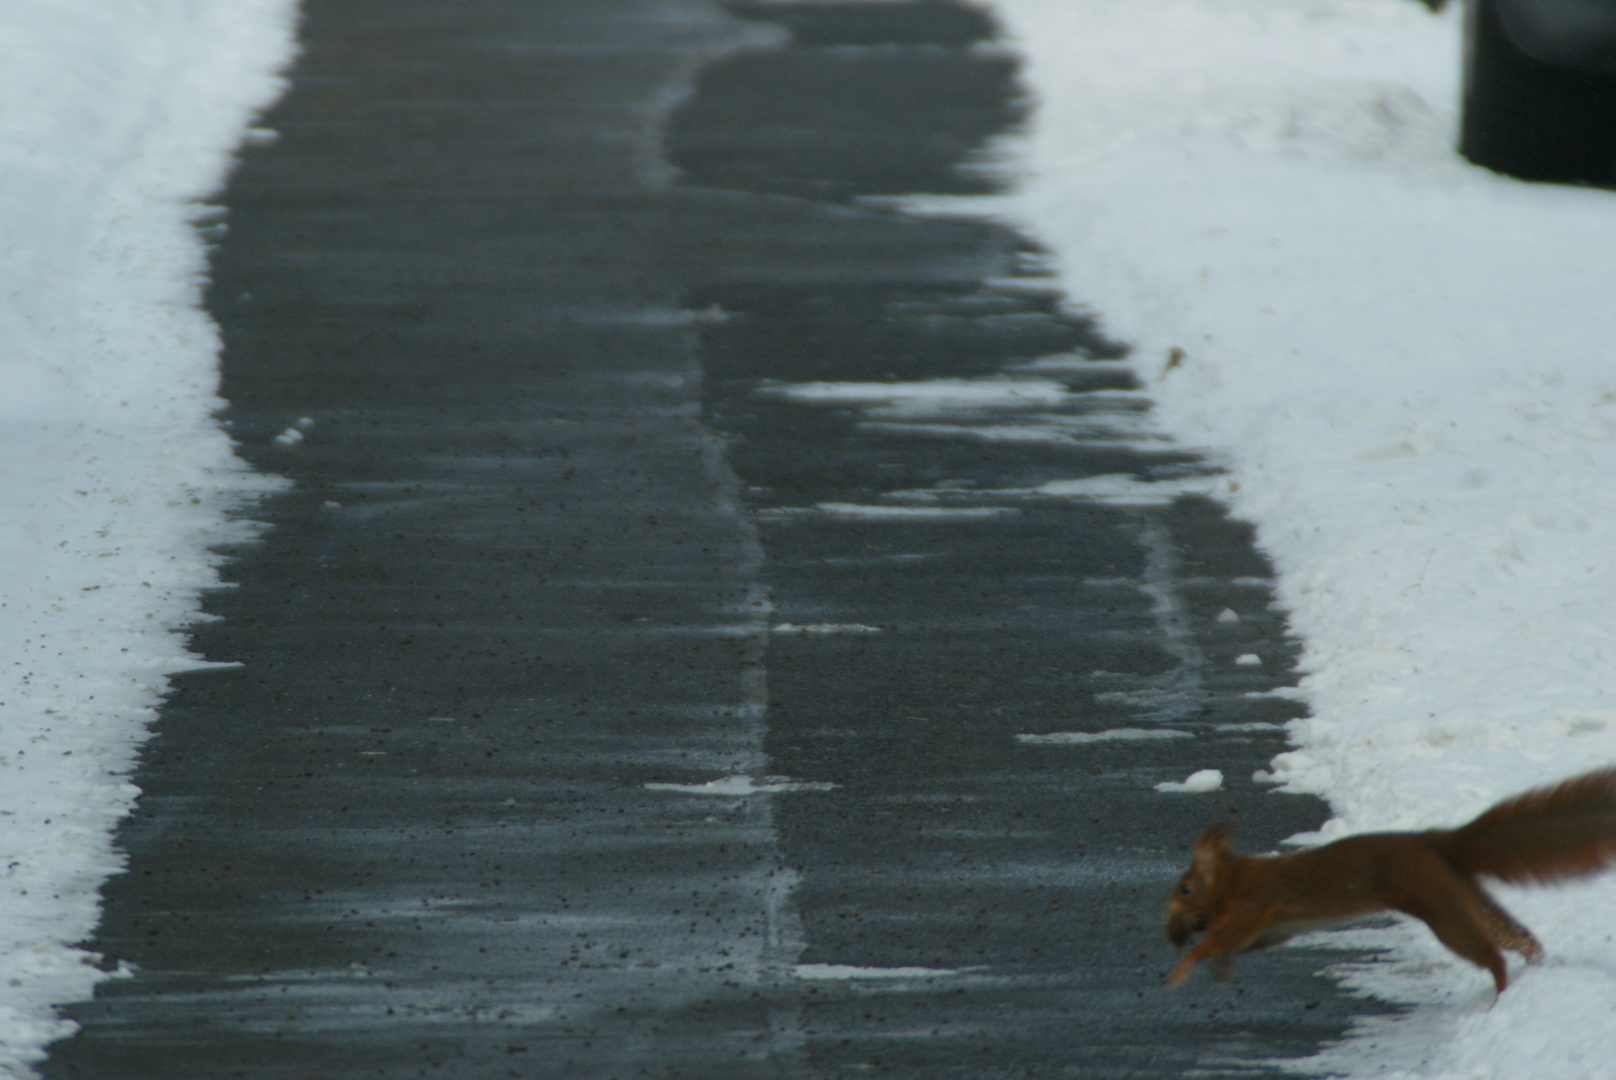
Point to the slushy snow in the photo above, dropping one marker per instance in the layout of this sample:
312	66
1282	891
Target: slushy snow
115	478
1408	365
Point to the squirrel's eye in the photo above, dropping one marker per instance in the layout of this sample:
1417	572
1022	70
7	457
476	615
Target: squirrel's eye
1184	887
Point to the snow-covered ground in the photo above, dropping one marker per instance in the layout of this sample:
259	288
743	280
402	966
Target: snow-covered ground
114	477
1409	366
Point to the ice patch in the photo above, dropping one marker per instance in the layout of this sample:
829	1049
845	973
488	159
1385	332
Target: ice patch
1111	489
1076	364
996	409
1148	698
1120	489
1078	738
1124	431
912	513
930	396
712	315
825	628
848	972
745	785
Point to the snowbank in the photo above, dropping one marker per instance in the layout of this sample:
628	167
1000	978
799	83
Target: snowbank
114	477
1409	365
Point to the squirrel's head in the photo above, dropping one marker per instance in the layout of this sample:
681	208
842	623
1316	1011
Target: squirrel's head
1194	900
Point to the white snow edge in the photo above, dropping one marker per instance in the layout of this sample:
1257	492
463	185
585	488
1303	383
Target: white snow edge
115	476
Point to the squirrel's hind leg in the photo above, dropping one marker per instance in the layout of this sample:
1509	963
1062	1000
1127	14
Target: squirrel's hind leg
1469	939
1505	931
1464	918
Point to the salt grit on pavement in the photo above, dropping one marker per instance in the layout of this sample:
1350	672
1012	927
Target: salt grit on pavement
119	120
1408	366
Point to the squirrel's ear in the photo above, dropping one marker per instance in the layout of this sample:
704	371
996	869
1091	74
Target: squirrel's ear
1213	845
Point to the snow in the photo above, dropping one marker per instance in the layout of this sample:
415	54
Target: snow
1406	365
114	476
1199	782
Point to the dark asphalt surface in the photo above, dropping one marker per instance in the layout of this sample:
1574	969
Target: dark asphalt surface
537	273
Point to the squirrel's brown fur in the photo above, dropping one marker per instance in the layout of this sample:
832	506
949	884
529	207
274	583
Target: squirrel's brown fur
1244	903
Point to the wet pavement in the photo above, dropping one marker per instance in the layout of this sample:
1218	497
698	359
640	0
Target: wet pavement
677	652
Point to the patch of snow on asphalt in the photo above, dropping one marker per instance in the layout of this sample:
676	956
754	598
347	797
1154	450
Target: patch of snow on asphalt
849	972
862	511
1080	738
930	396
1200	782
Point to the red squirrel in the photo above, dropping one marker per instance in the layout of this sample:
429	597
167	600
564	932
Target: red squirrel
1245	902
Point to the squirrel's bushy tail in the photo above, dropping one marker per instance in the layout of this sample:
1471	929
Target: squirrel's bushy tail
1547	834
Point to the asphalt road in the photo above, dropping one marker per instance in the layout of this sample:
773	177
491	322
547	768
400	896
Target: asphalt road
612	701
